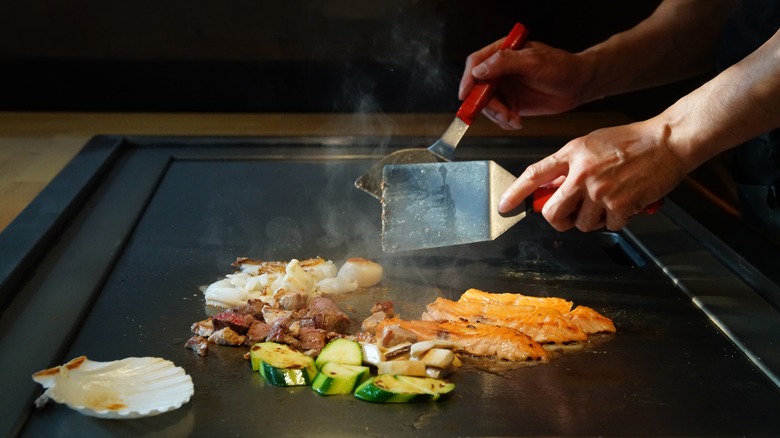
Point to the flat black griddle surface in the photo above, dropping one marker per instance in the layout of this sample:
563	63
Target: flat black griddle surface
200	203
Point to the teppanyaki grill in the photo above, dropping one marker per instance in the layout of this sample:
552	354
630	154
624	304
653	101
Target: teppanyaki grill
145	221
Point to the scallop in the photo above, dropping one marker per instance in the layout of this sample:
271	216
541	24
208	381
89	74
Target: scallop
128	388
365	272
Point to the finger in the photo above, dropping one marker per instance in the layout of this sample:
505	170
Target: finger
562	209
591	216
506	62
467	79
500	114
616	221
533	177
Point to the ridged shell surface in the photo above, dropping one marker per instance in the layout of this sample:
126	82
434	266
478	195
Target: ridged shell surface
127	388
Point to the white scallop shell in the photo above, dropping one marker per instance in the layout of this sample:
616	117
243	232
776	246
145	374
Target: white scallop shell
127	388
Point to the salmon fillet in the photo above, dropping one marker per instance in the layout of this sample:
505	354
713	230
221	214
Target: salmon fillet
511	299
542	324
472	338
591	321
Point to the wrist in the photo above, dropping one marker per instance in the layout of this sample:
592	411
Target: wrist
679	130
590	67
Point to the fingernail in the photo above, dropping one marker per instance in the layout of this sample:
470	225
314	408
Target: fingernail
503	205
479	70
515	124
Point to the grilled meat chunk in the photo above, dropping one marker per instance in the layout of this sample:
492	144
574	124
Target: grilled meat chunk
238	322
271	315
384	306
293	301
203	328
327	315
252	307
312	340
370	323
226	336
198	344
258	332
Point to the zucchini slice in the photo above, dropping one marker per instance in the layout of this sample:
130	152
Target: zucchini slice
435	387
280	365
341	350
390	388
335	378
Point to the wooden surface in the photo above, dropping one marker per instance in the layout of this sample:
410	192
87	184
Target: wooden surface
35	146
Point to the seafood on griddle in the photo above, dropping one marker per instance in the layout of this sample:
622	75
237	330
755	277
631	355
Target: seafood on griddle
591	321
513	299
542	324
269	280
540	319
287	309
282	302
475	339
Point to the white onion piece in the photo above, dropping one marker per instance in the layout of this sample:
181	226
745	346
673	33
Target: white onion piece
127	388
224	294
321	271
295	279
365	272
336	285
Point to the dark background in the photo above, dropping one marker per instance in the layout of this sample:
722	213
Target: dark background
294	56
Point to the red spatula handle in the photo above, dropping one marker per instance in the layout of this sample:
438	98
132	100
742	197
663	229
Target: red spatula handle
542	195
483	90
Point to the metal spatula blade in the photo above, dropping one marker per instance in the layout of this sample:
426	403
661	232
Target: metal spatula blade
441	204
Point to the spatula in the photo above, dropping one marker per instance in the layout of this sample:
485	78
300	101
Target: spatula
432	205
444	148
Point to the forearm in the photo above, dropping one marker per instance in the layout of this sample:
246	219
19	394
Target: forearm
677	41
735	106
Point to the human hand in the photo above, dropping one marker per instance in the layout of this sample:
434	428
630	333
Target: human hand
605	177
535	80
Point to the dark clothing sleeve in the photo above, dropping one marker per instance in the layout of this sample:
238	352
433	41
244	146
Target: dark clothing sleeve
757	162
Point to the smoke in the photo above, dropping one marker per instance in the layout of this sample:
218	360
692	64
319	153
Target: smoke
418	50
397	65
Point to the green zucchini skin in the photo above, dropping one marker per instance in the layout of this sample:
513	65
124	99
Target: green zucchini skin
335	378
390	388
280	365
342	351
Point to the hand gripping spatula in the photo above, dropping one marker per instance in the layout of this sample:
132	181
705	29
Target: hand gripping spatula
450	203
444	148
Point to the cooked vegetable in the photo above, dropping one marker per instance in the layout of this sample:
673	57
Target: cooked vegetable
280	365
389	388
372	353
402	367
420	348
400	351
341	350
438	373
438	357
335	378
